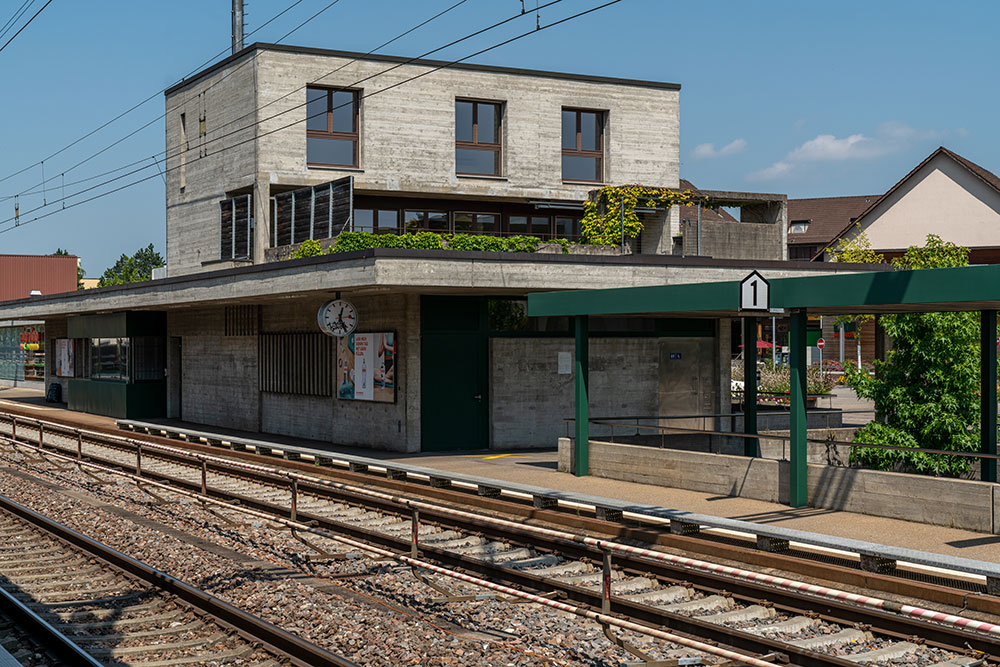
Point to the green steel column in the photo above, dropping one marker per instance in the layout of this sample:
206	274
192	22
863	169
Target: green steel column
988	392
798	489
581	447
750	385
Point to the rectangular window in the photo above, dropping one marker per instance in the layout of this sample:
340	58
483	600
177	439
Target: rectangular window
533	225
567	227
477	223
583	145
477	138
109	358
375	221
332	127
426	221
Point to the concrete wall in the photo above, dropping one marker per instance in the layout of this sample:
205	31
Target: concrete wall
220	379
529	399
957	503
737	240
214	163
407	138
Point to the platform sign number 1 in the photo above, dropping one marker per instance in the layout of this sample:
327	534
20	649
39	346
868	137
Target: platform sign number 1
755	293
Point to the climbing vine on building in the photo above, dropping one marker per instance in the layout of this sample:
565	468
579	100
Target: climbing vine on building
603	216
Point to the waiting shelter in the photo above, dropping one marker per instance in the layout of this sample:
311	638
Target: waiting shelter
972	288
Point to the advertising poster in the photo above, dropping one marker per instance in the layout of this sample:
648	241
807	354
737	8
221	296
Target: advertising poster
64	358
366	367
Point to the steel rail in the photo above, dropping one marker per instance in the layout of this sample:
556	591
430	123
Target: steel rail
888	624
402	558
834	594
53	641
257	630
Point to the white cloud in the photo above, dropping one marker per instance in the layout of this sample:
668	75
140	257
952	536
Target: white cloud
705	151
889	137
775	171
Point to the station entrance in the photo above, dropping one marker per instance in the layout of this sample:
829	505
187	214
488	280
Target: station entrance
454	373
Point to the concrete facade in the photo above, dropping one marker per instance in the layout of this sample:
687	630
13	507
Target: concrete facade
253	106
213	378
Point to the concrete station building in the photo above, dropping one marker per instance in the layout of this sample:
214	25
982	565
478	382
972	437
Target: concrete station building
276	145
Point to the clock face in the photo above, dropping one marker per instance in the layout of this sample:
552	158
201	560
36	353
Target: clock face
337	318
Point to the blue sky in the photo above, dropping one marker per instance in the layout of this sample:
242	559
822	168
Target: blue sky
809	99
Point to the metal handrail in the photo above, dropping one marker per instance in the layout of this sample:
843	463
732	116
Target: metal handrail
788	438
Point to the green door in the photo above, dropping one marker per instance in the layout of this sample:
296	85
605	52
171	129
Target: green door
453	374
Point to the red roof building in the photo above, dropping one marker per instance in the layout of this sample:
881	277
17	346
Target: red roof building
48	274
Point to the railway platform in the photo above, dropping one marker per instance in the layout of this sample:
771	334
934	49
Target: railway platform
539	469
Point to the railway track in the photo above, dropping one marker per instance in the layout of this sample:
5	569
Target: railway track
87	604
732	609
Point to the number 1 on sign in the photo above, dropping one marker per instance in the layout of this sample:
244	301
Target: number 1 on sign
754	292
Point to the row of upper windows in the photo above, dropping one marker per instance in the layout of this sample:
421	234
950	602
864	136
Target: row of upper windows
333	134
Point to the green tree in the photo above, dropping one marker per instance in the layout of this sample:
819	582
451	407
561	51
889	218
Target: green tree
79	269
132	269
926	392
855	250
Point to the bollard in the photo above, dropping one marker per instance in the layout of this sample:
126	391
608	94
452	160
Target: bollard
295	498
41	435
415	533
204	477
606	584
138	460
79	445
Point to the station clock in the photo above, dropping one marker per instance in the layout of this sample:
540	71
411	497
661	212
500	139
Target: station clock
337	318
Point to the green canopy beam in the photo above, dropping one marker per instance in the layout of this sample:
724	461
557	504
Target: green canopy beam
970	288
988	393
750	385
581	445
798	482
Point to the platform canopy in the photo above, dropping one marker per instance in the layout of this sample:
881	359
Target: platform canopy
964	288
967	288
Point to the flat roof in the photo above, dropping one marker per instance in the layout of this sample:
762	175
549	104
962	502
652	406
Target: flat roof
306	50
967	288
398	269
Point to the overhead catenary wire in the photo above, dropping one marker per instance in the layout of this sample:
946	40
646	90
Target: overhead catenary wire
136	106
34	16
293	123
35	191
18	13
256	110
298	121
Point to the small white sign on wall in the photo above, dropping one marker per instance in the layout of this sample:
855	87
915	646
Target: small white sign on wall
565	363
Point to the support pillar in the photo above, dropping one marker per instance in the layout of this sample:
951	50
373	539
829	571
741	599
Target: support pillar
988	392
750	385
798	487
581	446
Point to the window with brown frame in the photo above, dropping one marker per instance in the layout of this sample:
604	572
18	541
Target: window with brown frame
331	127
477	138
583	145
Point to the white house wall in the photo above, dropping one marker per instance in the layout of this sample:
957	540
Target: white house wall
943	198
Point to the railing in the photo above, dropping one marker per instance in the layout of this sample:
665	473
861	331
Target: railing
663	431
